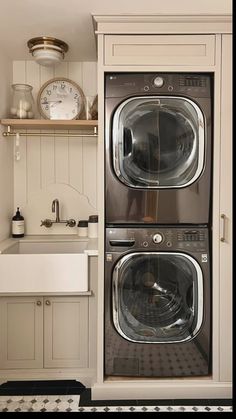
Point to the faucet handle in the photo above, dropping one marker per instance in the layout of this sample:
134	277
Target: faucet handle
47	223
71	222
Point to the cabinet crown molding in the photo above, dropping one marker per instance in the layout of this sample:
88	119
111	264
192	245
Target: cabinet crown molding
162	23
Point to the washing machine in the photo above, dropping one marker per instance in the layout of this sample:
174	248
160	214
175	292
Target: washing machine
157	302
158	140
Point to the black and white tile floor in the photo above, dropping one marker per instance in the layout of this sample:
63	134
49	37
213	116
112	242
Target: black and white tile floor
72	396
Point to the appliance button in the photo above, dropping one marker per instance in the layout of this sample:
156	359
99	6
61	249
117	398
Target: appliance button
145	244
158	81
146	88
157	238
169	244
170	88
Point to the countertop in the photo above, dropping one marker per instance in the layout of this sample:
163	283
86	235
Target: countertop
91	249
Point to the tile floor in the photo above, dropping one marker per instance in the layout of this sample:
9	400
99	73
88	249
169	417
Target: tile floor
72	396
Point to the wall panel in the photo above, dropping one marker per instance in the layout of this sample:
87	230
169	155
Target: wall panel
56	167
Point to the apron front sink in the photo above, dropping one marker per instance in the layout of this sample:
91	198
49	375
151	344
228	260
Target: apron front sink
44	266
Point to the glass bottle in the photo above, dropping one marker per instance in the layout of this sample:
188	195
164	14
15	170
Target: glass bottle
18	224
22	105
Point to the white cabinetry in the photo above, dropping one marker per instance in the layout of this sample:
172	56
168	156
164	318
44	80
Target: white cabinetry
44	332
225	325
21	332
50	336
159	49
66	332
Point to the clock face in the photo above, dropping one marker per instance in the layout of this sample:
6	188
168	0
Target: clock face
60	98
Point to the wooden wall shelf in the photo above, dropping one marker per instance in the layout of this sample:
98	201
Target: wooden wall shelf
43	124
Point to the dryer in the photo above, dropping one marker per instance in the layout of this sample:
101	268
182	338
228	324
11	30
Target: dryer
157	302
158	139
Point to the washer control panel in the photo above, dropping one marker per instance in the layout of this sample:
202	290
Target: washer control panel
158	239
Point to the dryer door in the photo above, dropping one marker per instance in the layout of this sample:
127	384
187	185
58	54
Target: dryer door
158	142
157	297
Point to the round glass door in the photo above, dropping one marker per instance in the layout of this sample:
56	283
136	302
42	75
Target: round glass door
157	297
158	142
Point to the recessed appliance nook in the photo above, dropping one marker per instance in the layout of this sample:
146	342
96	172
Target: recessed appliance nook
158	173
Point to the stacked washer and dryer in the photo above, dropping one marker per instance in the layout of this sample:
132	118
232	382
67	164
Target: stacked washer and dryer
158	148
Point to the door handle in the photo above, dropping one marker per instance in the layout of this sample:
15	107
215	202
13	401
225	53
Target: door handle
127	140
223	222
47	302
39	303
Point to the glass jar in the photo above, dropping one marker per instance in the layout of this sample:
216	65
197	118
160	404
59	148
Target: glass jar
93	226
22	105
91	108
83	228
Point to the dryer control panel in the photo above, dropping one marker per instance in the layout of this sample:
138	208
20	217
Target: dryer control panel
186	84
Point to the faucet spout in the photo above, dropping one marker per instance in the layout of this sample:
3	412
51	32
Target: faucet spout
55	208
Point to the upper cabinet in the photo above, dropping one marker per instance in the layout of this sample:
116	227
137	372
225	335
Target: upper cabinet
159	49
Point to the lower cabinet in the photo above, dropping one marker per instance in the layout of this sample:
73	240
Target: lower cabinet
44	332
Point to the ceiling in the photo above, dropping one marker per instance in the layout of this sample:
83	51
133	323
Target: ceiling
71	20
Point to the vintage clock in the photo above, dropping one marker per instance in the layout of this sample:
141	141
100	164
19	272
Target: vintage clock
61	98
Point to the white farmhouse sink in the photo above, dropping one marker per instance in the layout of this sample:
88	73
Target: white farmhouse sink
44	266
46	247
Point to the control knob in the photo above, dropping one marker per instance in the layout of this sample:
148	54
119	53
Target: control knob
158	81
157	238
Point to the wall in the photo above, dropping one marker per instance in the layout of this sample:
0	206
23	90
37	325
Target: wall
6	153
52	167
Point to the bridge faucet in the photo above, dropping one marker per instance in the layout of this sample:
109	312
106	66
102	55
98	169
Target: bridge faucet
55	208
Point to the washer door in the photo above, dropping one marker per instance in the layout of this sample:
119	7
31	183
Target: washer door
157	297
158	142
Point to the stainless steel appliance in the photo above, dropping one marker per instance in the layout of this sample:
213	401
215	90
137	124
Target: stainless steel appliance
158	136
157	302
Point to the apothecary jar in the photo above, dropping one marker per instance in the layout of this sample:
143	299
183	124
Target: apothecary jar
22	104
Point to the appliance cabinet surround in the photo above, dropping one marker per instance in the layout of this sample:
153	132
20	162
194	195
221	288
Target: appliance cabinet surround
180	43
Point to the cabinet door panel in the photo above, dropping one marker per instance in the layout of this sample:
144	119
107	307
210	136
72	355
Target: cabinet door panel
159	49
226	210
21	333
66	332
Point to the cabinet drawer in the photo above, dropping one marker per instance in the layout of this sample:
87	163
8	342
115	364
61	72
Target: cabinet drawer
159	50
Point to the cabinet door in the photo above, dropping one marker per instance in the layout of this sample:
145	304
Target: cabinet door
66	332
226	213
159	50
21	332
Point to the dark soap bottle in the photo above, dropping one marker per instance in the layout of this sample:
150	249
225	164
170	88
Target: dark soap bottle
18	225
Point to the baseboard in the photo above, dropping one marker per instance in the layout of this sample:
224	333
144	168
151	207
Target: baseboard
162	390
85	376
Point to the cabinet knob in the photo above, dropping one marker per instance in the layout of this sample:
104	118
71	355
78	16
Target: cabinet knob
47	302
39	303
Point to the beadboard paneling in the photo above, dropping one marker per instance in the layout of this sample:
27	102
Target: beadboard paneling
6	150
56	167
